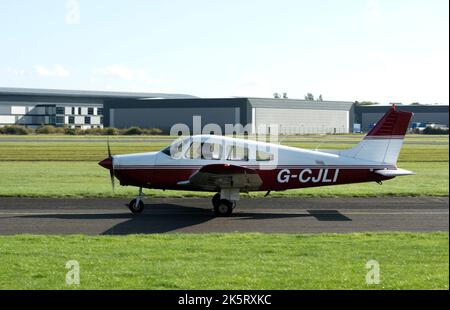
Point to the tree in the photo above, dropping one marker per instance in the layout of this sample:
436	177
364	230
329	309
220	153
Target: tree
320	98
309	97
276	95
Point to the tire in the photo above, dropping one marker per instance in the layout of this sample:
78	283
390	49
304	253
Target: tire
224	208
216	200
136	208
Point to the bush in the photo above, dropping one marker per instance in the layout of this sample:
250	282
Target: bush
153	131
108	131
93	131
140	131
70	131
49	129
132	131
15	130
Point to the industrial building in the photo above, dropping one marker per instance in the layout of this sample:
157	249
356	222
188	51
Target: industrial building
75	109
287	115
96	109
368	115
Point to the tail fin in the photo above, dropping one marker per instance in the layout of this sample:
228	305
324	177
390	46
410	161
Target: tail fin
383	143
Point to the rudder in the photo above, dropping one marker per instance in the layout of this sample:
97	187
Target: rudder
383	142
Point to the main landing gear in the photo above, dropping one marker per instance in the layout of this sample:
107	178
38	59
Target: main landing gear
224	202
137	205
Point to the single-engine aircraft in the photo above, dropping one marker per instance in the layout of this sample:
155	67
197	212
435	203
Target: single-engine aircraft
229	166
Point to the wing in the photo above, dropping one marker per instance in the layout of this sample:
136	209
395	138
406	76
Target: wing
219	176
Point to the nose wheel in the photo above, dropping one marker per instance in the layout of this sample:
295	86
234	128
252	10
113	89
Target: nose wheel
137	205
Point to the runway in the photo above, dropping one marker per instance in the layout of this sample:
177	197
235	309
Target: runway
194	215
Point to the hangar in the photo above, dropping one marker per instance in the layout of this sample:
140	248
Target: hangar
289	116
367	115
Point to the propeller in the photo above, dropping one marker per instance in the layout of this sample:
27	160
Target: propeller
111	171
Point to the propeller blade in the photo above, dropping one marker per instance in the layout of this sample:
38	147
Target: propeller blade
109	148
111	170
111	173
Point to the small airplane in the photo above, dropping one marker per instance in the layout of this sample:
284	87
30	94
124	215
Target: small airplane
229	166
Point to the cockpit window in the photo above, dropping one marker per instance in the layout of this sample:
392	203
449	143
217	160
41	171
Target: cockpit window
175	150
205	150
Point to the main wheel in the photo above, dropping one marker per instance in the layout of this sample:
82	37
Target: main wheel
223	208
136	207
216	200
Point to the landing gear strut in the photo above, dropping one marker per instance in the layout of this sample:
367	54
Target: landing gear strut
137	205
222	204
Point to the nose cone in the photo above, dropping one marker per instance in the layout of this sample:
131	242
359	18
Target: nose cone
106	163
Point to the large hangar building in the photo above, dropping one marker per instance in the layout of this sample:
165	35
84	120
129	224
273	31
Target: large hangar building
287	115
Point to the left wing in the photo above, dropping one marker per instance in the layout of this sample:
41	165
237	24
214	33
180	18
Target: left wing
220	176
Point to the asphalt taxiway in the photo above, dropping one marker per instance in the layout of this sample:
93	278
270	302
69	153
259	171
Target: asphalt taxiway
194	215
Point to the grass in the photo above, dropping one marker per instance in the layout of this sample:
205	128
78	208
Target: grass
69	169
226	261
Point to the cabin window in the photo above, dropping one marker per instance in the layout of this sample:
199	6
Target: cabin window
237	152
263	156
205	150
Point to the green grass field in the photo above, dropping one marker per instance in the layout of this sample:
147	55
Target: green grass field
47	167
227	261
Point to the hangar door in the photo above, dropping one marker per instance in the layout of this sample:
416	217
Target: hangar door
301	121
165	118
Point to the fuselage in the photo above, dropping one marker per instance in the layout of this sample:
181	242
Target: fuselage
279	167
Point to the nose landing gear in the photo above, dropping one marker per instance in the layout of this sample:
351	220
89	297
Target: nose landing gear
137	205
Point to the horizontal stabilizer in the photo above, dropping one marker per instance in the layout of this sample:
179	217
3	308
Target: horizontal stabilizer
394	173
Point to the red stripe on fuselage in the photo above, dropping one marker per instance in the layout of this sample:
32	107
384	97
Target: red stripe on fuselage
281	178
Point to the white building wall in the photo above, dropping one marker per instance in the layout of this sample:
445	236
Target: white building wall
79	120
303	121
95	120
7	119
18	110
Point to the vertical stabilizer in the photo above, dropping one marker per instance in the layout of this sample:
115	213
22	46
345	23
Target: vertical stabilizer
383	143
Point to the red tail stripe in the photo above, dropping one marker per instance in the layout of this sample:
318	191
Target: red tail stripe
393	123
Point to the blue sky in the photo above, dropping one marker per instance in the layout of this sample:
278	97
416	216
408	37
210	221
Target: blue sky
385	51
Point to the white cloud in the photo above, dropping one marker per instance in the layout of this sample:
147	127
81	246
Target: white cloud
54	71
125	73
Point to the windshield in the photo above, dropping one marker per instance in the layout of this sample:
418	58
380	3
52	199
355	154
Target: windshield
193	148
177	149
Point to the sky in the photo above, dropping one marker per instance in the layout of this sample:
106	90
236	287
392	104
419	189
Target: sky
356	50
